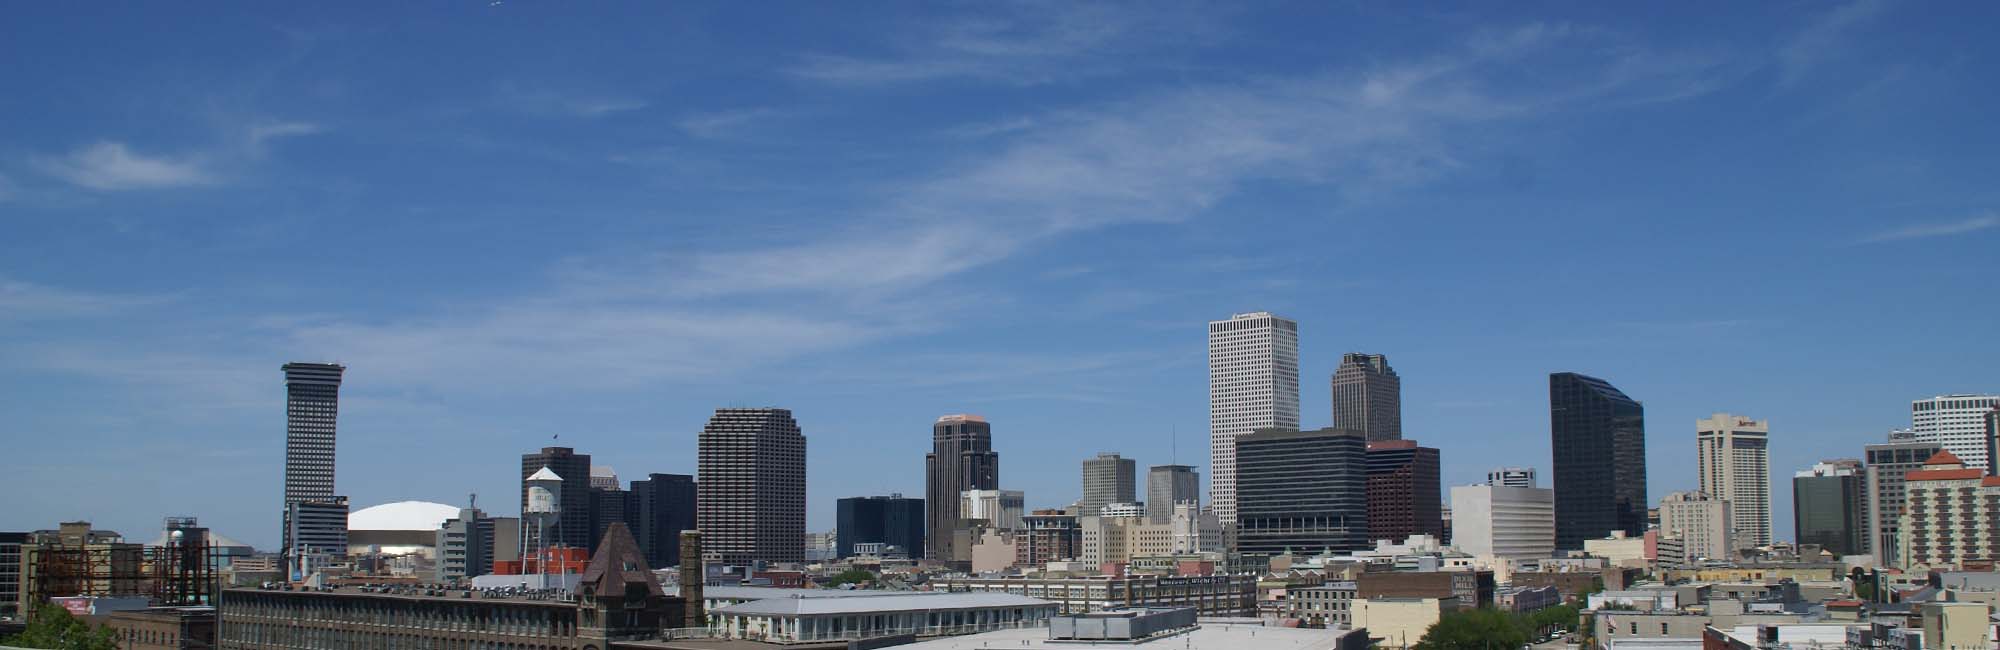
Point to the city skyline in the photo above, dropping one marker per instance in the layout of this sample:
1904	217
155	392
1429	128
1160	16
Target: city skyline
637	236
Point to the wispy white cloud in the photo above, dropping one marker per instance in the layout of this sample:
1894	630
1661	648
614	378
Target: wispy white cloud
112	166
697	312
554	103
726	123
259	134
1036	44
1822	38
1940	229
21	300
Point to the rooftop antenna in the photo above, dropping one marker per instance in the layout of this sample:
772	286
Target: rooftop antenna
472	503
1174	443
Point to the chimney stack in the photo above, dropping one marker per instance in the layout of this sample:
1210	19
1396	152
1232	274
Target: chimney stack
694	574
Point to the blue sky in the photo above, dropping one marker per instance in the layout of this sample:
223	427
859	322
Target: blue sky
522	219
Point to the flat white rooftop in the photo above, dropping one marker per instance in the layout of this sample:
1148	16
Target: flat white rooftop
1210	636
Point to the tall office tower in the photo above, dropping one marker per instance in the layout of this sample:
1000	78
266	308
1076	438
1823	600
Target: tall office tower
1599	440
1952	516
1993	442
750	495
572	525
1829	509
1253	383
1886	466
1956	421
1733	452
318	533
961	458
1512	523
1512	477
1168	486
662	505
1108	479
1404	498
607	506
1367	395
312	402
1303	491
891	521
1702	523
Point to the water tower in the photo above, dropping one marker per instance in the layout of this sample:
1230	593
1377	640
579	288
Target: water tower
544	509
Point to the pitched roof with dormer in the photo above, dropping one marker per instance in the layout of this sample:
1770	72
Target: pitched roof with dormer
619	563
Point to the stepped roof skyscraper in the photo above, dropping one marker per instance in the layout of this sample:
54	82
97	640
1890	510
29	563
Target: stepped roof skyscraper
1368	396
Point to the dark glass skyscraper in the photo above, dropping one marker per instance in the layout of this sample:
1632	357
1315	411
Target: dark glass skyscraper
1828	507
1404	497
1598	436
661	507
572	527
892	520
312	402
750	500
1303	491
1368	396
961	458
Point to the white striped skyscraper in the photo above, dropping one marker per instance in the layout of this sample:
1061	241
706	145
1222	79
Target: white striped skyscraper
1956	421
1253	383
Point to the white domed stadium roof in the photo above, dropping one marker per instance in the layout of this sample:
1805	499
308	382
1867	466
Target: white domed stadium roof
401	515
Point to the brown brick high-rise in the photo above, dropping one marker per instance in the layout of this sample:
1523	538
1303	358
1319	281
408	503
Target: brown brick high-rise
1404	498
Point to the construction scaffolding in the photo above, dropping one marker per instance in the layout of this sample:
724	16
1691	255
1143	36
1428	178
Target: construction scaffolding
183	570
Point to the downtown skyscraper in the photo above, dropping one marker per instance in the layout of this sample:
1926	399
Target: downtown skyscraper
573	523
1167	485
750	488
1253	383
1368	396
312	404
1735	463
1598	438
1958	422
1108	479
961	458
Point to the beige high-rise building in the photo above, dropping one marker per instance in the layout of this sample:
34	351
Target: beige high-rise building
1701	523
1735	464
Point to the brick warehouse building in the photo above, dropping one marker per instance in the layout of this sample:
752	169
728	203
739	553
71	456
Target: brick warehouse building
616	600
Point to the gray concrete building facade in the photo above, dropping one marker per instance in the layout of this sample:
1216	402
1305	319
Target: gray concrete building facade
1108	479
750	502
1167	485
312	407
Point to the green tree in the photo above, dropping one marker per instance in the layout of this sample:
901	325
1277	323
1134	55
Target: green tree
1479	629
54	627
850	576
